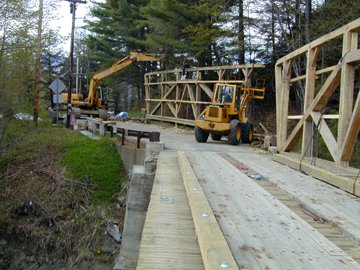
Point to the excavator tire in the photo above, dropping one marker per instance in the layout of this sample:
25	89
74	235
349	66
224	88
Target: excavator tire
247	132
201	135
216	136
234	135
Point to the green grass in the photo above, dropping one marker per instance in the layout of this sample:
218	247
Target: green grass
136	114
97	161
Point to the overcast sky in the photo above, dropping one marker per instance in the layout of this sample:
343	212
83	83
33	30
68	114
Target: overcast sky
65	18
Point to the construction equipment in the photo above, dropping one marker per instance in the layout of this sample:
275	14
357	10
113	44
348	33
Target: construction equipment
225	116
94	104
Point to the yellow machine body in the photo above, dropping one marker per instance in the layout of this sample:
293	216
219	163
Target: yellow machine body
228	106
94	99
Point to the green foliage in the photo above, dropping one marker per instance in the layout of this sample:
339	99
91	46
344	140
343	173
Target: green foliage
96	161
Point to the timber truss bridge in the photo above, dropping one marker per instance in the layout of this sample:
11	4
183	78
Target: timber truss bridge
170	98
220	206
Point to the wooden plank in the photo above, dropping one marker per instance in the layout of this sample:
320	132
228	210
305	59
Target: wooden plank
346	93
178	101
352	57
283	105
172	109
283	240
207	90
319	198
158	105
169	239
318	72
171	119
207	69
352	26
278	89
352	132
326	133
325	116
214	248
307	137
319	101
325	70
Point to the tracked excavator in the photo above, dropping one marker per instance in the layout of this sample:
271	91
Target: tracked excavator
226	114
94	103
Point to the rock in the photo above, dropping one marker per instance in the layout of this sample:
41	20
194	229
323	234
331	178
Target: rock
113	230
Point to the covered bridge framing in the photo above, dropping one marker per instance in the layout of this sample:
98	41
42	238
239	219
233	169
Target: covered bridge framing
171	98
322	83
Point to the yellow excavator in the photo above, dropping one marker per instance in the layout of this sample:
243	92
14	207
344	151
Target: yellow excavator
226	114
94	104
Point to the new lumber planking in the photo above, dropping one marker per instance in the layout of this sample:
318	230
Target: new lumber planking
261	231
169	240
317	197
214	248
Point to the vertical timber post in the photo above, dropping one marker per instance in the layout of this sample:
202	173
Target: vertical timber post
350	41
283	106
307	139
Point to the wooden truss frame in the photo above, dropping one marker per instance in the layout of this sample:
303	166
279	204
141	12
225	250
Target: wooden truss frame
340	76
173	99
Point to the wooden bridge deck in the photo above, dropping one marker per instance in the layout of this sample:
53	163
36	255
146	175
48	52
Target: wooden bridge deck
169	240
260	230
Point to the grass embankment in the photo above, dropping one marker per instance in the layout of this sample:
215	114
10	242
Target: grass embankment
57	190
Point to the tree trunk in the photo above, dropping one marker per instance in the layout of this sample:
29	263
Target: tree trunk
273	57
308	8
38	64
241	35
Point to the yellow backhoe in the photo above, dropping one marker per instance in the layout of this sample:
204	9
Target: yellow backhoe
226	114
94	104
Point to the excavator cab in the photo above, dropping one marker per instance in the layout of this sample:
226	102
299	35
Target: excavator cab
225	93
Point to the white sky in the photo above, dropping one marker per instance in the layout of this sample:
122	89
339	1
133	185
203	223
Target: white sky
64	19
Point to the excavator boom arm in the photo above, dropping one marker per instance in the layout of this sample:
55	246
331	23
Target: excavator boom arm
119	65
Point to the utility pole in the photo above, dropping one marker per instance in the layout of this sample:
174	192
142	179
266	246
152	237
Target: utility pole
71	69
38	64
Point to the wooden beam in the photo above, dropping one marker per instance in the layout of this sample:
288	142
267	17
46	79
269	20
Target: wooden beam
325	175
207	69
278	88
317	104
220	74
192	98
325	116
325	70
207	90
352	133
307	141
182	121
318	72
165	96
172	109
178	101
325	133
352	57
215	251
197	82
350	27
283	105
350	40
